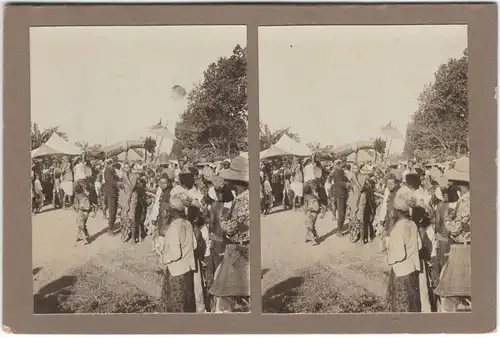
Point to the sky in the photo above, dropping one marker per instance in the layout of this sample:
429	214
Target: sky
108	84
340	84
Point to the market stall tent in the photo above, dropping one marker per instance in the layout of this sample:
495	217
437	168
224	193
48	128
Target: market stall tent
130	155
54	146
286	146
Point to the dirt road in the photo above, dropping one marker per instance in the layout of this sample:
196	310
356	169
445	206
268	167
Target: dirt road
122	266
285	255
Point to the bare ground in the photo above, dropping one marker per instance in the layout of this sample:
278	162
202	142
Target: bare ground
106	276
335	276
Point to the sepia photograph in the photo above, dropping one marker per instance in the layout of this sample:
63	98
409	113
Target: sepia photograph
364	168
139	169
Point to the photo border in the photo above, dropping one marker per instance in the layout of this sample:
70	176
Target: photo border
17	268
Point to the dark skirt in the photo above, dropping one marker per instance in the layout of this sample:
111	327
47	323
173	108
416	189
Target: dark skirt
233	278
455	278
403	294
178	292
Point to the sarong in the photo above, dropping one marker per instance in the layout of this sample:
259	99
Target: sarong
403	293
178	292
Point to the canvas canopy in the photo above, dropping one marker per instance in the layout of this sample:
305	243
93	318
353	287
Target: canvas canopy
130	155
54	146
350	148
286	146
364	155
117	148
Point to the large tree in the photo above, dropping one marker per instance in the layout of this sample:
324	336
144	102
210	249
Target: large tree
214	124
439	127
39	137
269	137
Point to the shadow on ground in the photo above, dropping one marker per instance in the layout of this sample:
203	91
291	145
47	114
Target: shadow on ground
274	298
48	298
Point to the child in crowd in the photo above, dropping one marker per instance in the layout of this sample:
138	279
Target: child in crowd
83	210
311	210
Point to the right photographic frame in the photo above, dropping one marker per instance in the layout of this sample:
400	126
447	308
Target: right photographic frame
364	169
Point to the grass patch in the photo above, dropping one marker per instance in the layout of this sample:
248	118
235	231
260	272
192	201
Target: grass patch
92	290
322	290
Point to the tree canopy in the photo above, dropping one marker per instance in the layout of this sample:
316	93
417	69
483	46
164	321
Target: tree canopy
439	127
39	137
214	124
268	137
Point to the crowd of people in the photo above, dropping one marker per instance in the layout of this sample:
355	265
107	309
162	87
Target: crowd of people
420	211
196	214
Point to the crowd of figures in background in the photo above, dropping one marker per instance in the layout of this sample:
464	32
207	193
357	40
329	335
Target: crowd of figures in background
196	214
420	211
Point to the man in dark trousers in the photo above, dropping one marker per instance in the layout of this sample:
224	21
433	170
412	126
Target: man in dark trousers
110	190
342	186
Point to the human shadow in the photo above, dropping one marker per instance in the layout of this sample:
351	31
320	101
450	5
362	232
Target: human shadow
275	298
98	234
48	298
324	237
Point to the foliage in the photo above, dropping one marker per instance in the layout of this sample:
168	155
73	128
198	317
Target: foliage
39	137
149	146
268	137
85	145
214	124
317	147
379	146
439	127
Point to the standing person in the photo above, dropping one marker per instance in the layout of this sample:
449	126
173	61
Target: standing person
454	287
268	195
297	186
387	216
160	214
39	196
216	243
366	210
128	203
83	209
342	186
322	197
311	210
357	181
67	182
110	190
421	214
403	259
58	194
232	281
287	193
178	258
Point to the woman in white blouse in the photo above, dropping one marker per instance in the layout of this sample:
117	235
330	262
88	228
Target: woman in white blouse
178	256
403	258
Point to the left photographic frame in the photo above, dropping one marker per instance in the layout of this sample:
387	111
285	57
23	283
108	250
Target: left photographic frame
139	180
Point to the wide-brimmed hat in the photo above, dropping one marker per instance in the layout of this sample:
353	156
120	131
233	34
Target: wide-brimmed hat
460	171
238	171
